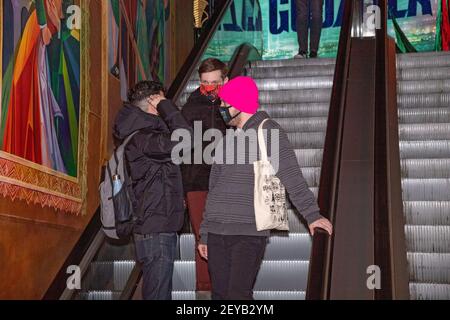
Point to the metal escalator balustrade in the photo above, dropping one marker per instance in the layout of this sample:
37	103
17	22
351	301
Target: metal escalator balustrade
424	129
296	94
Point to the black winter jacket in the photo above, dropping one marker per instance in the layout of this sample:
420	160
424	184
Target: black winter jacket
200	108
156	179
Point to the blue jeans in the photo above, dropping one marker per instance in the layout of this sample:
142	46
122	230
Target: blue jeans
156	254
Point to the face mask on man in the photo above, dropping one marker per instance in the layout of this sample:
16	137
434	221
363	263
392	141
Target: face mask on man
226	115
210	90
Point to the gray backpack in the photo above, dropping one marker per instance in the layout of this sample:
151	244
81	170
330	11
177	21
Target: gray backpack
116	213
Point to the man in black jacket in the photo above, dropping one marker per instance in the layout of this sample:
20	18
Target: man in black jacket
203	107
157	182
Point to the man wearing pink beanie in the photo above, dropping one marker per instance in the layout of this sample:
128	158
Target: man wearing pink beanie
229	237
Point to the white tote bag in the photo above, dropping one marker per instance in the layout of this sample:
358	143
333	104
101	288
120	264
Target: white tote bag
270	195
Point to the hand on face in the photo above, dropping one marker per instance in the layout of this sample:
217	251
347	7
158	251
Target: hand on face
156	99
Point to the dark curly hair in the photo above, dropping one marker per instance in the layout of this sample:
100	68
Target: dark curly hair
143	90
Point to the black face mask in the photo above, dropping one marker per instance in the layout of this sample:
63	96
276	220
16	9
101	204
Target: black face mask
226	115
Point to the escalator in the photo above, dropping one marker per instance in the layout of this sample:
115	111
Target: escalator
424	129
302	96
296	93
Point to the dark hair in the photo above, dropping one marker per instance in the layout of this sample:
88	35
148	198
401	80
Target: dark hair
212	64
143	90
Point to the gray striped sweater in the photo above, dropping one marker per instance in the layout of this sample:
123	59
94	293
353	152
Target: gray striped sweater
229	208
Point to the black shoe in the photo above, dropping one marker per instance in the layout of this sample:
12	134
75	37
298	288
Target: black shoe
313	55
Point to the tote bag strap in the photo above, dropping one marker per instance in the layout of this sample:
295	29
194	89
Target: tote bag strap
262	142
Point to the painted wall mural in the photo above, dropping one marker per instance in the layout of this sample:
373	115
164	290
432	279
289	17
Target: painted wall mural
43	100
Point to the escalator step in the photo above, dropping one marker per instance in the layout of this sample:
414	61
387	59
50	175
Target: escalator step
425	149
431	239
289	72
307	140
99	295
423	61
297	110
184	295
423	73
427	212
309	157
429	291
290	246
295	96
316	124
279	295
419	131
425	168
429	267
424	115
303	83
421	86
107	275
426	189
273	275
292	63
423	100
282	275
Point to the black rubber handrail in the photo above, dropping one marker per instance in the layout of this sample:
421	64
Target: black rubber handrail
321	251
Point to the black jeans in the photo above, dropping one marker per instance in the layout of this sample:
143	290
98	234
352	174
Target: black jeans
309	14
156	254
234	262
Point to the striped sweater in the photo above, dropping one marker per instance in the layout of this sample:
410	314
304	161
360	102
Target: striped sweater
229	208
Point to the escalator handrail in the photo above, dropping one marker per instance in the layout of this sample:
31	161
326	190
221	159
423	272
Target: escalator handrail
321	251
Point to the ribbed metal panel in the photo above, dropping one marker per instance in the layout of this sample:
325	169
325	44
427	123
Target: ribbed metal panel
184	295
424	100
184	276
289	72
287	246
423	61
425	149
307	140
122	271
187	247
296	110
426	189
423	73
425	168
309	157
428	131
279	295
420	86
295	96
303	124
432	239
292	63
424	115
295	222
99	295
427	212
303	83
312	176
429	291
282	276
429	267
